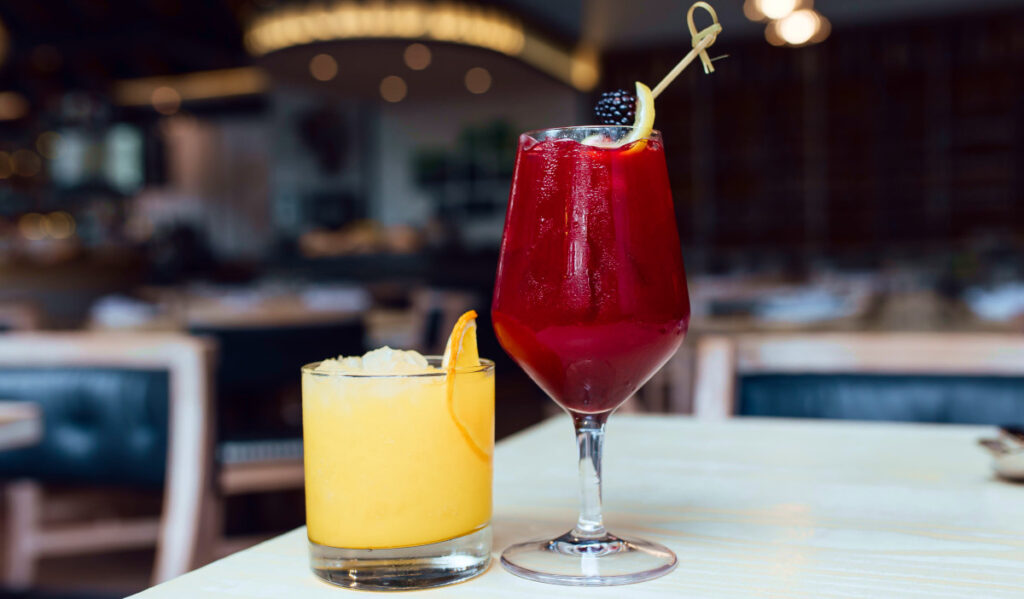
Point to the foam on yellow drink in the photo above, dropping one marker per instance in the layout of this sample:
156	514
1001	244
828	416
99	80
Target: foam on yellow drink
393	456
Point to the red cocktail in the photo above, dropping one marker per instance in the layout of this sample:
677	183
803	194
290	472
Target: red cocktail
590	300
591	295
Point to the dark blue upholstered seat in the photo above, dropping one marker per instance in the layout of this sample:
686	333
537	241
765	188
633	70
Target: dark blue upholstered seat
909	398
100	425
258	373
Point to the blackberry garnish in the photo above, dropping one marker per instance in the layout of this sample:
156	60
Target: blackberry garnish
616	108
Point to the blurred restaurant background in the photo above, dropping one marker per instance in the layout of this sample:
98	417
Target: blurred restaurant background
198	197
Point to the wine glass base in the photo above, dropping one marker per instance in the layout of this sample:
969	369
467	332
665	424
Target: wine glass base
575	561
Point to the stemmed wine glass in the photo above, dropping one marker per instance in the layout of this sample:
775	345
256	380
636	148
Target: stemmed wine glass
591	301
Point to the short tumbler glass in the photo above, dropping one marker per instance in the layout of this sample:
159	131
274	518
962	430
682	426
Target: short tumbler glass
398	475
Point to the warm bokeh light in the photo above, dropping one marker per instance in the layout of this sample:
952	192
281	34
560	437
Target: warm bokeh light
752	12
771	34
323	67
12	106
59	225
393	88
799	27
47	143
776	9
31	226
417	57
478	80
26	163
6	168
585	69
803	27
166	100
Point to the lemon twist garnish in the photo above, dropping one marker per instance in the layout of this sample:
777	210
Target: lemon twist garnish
643	122
461	352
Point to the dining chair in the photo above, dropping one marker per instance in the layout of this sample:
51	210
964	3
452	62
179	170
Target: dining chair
917	377
122	414
258	398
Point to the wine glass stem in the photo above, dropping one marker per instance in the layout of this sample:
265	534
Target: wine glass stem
590	440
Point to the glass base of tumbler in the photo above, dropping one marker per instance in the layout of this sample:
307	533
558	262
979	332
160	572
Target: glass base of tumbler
576	561
404	568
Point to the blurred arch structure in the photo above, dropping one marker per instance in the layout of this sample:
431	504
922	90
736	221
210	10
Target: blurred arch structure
455	23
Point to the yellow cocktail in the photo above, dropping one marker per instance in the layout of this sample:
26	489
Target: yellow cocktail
398	465
389	464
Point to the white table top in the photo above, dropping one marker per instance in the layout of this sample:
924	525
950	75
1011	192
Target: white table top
752	507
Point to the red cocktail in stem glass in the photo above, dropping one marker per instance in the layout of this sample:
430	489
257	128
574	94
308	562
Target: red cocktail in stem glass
591	294
590	300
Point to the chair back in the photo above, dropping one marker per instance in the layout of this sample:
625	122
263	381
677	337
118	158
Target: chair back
917	377
119	409
103	425
258	373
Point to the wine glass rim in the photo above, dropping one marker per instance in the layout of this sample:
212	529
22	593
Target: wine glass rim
534	133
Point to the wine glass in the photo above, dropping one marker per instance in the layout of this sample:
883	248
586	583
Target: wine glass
591	301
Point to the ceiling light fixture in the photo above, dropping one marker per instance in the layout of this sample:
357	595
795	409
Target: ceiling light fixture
291	25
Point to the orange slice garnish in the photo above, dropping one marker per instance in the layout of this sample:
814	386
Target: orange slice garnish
462	352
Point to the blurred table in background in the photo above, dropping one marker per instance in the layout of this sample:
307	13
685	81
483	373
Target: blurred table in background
838	301
752	507
286	311
721	305
747	304
238	307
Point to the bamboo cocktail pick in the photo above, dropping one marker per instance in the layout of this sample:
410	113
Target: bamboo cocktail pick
701	41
